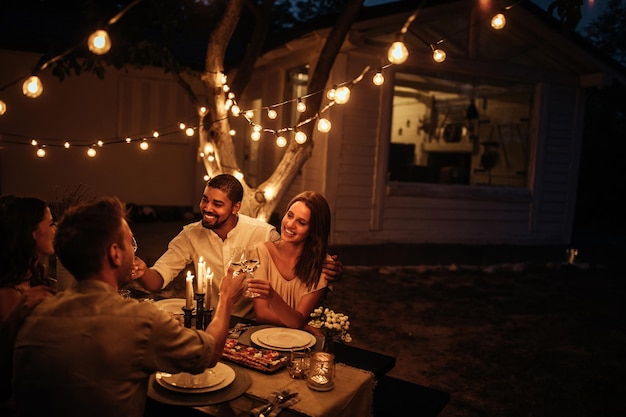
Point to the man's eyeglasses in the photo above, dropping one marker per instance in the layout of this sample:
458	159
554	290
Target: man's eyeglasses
134	244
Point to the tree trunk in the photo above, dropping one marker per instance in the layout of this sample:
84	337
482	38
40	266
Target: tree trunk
215	143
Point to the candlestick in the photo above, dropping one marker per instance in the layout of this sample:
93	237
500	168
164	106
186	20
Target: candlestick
189	291
200	316
187	318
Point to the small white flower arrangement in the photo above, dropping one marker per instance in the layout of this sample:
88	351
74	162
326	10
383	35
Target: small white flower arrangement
331	323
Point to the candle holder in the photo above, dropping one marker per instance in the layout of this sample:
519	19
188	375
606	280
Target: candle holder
200	311
187	317
321	375
208	316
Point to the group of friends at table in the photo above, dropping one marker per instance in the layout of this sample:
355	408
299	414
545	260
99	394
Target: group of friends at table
87	350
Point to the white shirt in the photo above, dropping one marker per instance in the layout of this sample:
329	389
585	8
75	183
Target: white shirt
196	241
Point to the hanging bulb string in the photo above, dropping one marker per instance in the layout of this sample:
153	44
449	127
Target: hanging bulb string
348	83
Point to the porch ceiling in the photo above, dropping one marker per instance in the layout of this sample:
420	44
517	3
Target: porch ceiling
531	42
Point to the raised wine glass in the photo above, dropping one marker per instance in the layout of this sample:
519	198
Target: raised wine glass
252	262
237	259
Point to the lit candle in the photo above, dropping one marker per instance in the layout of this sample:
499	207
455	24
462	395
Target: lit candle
209	274
189	291
201	276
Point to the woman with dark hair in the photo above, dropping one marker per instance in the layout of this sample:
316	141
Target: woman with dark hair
289	281
27	232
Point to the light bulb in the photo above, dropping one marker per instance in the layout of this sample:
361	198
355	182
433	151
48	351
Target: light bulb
235	110
32	87
330	94
439	55
3	107
144	145
34	142
498	21
100	143
91	152
189	131
271	113
249	114
301	107
397	53
342	95
281	141
128	139
378	78
99	42
41	152
300	137
323	125
255	136
66	145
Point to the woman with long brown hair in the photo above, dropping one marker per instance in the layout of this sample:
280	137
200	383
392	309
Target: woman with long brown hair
289	281
27	231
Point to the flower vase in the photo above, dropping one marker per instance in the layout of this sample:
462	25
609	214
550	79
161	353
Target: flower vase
328	343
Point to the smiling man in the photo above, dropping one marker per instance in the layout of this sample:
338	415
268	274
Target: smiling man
221	228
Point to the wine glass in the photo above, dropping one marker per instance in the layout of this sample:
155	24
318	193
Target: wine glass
252	262
237	259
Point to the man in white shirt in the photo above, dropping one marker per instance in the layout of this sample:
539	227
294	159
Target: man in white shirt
221	228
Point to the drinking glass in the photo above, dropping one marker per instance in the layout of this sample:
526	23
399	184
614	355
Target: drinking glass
251	262
299	362
237	259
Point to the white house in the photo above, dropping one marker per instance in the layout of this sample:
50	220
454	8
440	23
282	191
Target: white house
482	148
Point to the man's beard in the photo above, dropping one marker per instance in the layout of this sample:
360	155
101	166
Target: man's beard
212	226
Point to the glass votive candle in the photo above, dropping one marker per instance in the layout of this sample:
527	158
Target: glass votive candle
321	375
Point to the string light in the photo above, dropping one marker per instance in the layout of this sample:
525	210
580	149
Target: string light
66	145
300	137
281	141
498	21
144	145
397	54
323	125
32	87
99	42
439	55
342	95
378	78
41	152
301	107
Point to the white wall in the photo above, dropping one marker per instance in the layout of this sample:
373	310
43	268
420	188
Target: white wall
84	109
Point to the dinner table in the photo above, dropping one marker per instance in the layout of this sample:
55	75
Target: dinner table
251	384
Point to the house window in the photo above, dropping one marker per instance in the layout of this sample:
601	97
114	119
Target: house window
448	130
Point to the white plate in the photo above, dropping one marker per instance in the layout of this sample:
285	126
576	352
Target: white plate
172	305
283	338
201	383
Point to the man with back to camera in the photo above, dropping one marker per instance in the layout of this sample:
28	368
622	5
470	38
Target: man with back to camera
88	351
221	228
